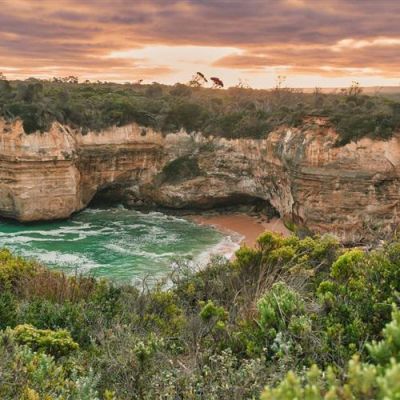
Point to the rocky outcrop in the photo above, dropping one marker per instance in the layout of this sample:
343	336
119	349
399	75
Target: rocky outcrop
350	190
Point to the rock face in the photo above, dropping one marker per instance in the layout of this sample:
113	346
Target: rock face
350	190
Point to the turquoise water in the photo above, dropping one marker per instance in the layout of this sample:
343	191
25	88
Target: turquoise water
116	243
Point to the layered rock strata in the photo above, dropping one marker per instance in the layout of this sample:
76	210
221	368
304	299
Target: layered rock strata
350	190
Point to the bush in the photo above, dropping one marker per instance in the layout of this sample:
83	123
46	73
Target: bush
221	376
379	380
278	308
13	269
79	319
56	343
8	309
285	326
28	375
357	298
163	313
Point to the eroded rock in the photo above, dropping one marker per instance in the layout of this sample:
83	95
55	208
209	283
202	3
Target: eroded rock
350	190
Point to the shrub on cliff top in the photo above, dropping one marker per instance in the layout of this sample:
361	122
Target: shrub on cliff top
234	113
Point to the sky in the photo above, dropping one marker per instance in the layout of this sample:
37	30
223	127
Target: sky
312	43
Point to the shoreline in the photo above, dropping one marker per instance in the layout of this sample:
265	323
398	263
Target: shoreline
242	224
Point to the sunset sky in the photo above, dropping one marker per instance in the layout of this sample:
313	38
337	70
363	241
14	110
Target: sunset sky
321	43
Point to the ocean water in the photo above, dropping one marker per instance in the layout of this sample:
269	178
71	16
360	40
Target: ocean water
117	243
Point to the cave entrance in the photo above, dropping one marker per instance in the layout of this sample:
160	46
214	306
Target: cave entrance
240	202
116	194
109	196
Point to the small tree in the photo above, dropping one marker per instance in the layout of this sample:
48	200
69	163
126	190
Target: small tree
217	83
198	80
354	90
280	81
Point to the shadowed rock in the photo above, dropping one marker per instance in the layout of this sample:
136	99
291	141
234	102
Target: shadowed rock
350	190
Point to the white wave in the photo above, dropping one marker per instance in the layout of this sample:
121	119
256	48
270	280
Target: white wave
138	252
60	234
78	261
135	226
119	248
165	217
90	211
136	242
226	247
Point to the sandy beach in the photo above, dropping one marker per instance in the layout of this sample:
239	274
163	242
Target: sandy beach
247	226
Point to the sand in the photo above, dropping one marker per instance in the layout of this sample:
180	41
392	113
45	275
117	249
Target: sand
247	226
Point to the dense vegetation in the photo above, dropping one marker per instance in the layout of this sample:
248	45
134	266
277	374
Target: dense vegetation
304	317
232	113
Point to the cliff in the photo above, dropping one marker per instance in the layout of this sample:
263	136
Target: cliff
350	190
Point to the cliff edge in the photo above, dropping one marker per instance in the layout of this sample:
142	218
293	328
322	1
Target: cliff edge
351	191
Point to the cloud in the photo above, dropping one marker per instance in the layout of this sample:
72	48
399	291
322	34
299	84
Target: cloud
346	57
119	40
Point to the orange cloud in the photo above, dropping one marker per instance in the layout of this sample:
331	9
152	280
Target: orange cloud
347	57
320	40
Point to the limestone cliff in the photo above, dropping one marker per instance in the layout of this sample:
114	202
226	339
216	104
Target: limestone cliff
347	190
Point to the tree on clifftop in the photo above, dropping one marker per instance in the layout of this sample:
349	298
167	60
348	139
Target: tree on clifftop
198	80
217	83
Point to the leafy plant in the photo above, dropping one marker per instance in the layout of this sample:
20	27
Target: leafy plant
57	343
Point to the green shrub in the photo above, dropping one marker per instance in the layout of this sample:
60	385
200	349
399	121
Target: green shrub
247	258
56	343
163	313
269	241
14	269
277	308
220	376
283	321
8	309
29	375
358	298
80	319
362	380
211	311
134	361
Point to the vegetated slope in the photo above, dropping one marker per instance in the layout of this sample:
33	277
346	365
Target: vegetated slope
222	333
231	113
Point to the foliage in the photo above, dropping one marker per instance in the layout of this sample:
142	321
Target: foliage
282	310
378	380
57	343
357	297
219	378
14	269
28	375
232	113
224	332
